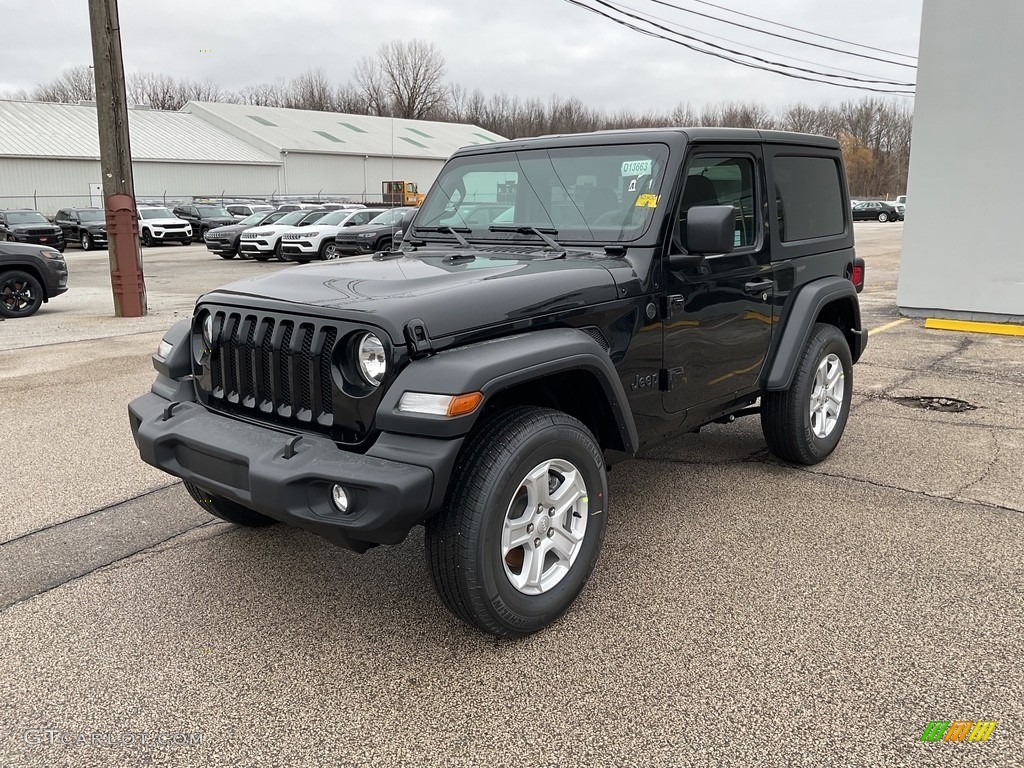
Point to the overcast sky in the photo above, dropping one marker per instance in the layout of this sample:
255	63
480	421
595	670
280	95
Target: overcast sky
523	47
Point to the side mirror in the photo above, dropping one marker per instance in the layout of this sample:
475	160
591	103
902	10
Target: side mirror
710	229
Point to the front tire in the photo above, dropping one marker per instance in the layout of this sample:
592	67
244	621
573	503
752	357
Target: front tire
226	254
86	242
329	251
523	522
227	510
147	238
21	295
803	424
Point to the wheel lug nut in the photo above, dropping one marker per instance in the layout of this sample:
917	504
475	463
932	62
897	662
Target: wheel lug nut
536	542
551	512
529	527
551	532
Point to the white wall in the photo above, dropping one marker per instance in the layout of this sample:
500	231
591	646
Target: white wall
962	254
342	175
63	183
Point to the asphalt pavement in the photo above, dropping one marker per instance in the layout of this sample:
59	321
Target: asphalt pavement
743	612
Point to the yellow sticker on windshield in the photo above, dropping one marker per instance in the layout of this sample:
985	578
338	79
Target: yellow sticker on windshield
647	201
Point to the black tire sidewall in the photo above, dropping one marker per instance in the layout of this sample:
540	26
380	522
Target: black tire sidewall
86	242
825	341
520	612
37	292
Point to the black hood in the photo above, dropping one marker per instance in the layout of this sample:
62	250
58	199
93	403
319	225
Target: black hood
448	295
220	221
351	233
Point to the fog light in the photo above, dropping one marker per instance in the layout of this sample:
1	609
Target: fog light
340	498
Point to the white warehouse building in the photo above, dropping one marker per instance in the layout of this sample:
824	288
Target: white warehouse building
49	156
341	155
49	153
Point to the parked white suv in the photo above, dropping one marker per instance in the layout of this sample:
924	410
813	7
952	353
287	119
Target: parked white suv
262	243
317	242
159	225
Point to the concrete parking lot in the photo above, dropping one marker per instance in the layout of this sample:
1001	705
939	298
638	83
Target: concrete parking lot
743	612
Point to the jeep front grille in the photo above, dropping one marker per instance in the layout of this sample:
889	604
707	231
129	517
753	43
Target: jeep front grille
272	368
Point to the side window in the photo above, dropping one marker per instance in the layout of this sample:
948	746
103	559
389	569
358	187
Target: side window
809	197
722	181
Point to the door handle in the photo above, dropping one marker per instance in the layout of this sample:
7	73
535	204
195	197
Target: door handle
758	286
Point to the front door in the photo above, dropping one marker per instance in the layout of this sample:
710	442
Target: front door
718	316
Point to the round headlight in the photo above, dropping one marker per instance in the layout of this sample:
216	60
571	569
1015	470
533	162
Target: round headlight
372	362
208	330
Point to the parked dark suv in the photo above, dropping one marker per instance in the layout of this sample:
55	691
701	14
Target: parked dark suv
29	276
85	226
377	235
28	226
203	218
481	381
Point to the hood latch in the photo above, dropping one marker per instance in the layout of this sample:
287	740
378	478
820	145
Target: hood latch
418	339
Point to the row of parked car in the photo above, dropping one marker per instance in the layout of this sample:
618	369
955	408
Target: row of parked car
310	234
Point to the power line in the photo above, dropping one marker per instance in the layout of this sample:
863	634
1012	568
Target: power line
646	15
764	64
806	31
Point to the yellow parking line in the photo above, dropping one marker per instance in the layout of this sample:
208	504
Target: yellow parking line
887	326
972	326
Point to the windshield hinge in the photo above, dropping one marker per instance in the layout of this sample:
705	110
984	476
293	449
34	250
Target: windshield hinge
418	339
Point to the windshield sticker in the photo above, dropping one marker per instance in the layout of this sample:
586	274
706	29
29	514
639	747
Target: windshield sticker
637	168
632	186
647	200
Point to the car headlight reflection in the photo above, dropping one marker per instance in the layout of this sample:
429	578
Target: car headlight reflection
372	360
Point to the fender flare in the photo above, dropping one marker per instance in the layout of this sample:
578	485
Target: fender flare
806	307
492	366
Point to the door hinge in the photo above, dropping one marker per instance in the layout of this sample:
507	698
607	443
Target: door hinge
671	304
666	376
418	339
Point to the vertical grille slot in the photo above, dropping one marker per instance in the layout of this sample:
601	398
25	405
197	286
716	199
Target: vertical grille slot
216	360
266	363
326	374
305	365
231	363
285	366
247	362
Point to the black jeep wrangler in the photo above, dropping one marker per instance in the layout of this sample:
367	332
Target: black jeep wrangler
480	381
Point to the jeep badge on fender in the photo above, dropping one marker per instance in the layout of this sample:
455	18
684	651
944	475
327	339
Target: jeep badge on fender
480	379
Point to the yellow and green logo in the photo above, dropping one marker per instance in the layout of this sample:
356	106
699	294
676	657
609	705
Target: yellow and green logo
958	730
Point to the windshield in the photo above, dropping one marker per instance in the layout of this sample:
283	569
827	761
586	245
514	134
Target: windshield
335	217
156	213
27	217
91	216
254	219
389	218
603	194
213	212
292	218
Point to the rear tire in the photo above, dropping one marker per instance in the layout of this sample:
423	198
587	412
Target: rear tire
803	424
228	510
523	521
883	217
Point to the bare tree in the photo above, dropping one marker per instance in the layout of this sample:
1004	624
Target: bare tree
404	79
264	94
311	90
71	86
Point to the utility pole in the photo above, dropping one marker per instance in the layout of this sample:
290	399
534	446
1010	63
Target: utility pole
126	278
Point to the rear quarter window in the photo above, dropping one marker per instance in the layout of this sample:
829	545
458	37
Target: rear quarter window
809	197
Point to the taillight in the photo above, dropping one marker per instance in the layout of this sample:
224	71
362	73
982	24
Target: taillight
857	274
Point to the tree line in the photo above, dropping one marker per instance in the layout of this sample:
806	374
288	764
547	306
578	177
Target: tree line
407	79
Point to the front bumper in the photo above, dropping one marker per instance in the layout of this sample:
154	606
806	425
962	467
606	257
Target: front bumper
246	463
177	235
355	246
50	241
256	246
221	246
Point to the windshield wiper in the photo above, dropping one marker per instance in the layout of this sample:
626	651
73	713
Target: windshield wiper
453	231
541	233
